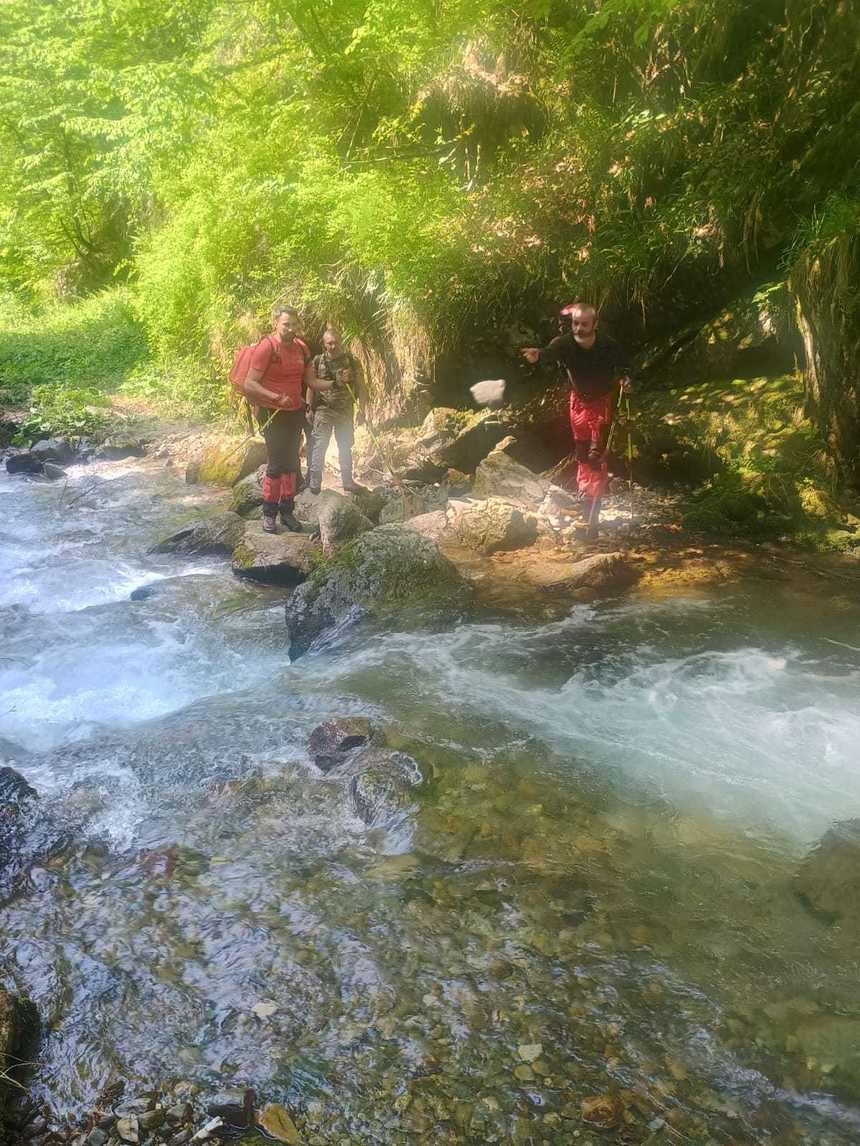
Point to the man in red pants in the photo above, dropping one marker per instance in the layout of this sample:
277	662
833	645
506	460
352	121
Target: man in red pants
595	365
280	370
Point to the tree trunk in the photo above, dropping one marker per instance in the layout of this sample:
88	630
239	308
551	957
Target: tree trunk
824	284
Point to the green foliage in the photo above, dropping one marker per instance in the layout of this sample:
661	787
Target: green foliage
65	411
92	345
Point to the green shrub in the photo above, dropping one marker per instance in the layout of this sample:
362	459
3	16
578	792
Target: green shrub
64	411
91	344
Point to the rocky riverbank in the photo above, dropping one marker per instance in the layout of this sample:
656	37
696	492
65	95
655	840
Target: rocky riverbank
494	540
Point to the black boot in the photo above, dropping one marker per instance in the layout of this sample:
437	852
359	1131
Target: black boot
288	518
270	518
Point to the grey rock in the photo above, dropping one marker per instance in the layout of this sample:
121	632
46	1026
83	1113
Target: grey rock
119	446
499	475
828	880
331	743
282	558
433	525
179	1113
339	522
213	535
391	572
96	1137
151	1120
128	1129
53	450
24	462
52	471
494	525
413	502
600	571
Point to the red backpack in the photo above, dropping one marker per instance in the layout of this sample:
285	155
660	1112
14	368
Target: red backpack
242	364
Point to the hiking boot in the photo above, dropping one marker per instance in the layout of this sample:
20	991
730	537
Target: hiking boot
270	523
289	519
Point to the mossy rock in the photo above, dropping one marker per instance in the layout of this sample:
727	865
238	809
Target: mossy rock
389	572
218	534
227	462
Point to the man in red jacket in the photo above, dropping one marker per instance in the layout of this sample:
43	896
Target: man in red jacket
595	365
280	370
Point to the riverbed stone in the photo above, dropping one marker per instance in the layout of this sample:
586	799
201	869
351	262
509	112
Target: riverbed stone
57	450
228	461
493	525
24	462
219	534
283	558
340	521
15	796
128	1130
499	475
383	785
828	880
389	572
408	503
52	471
599	572
120	445
331	743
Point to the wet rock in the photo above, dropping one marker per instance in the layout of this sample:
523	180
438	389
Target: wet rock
831	1046
15	796
52	471
383	785
24	462
127	1129
213	535
150	1121
96	1137
340	521
493	525
119	446
53	450
278	1124
828	880
331	743
499	475
283	558
412	502
601	571
390	571
227	462
247	494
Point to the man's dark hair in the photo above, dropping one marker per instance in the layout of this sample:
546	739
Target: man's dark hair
279	310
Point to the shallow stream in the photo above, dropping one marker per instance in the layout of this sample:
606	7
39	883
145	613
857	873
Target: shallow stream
590	895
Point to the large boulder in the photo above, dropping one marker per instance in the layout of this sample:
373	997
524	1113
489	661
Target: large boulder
24	462
408	503
493	525
452	439
53	450
433	525
340	521
120	445
228	461
309	506
597	573
828	880
499	475
219	534
247	493
283	558
390	572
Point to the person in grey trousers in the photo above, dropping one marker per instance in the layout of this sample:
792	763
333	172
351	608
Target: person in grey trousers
334	409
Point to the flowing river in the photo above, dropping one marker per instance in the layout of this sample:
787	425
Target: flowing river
591	894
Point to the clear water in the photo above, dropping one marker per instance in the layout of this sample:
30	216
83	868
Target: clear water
600	860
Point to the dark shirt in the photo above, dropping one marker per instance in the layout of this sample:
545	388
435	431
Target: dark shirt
338	398
590	373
